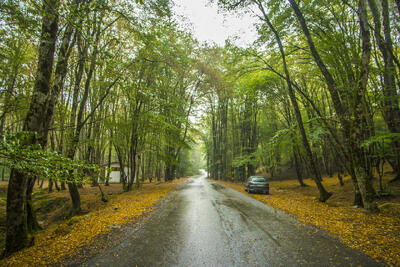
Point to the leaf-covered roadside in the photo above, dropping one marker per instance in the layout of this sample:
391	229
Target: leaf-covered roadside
377	235
67	238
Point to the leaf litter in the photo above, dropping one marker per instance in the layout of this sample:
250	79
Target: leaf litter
67	238
377	235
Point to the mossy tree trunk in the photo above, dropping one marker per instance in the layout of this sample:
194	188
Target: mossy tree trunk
17	236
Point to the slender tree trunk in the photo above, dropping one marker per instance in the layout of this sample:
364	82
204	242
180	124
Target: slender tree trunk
50	186
323	194
341	111
214	165
137	180
41	184
80	123
361	132
340	178
10	86
159	170
390	103
109	162
169	173
297	163
53	148
133	152
142	166
61	68
224	137
339	175
57	187
121	166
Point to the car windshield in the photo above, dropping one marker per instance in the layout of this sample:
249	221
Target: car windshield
258	179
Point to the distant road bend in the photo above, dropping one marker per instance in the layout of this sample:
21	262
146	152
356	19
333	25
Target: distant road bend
206	224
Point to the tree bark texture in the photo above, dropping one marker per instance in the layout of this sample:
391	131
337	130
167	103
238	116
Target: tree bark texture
17	231
360	127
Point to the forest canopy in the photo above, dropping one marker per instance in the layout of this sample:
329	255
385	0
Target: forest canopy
84	83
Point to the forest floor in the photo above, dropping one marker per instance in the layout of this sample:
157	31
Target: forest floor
377	235
64	237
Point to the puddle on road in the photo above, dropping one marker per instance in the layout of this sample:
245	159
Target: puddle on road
217	187
187	186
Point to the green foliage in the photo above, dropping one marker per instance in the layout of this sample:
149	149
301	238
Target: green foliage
381	139
279	135
244	160
34	161
317	134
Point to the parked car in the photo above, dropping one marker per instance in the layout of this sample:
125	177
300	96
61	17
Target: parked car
256	184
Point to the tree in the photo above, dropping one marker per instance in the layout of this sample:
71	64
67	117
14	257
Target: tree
17	224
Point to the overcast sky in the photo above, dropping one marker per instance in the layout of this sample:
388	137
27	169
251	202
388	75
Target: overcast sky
209	25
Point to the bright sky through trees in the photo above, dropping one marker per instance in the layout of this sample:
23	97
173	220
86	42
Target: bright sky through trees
211	25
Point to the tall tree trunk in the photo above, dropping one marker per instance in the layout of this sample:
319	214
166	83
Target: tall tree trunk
390	103
341	110
137	180
323	194
169	173
109	161
214	165
224	138
340	178
132	156
10	86
80	123
41	183
17	231
253	142
50	188
61	68
361	129
123	175
297	165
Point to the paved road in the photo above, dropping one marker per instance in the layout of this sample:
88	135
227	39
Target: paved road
205	224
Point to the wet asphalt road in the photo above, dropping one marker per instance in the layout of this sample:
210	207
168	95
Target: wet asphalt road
206	224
